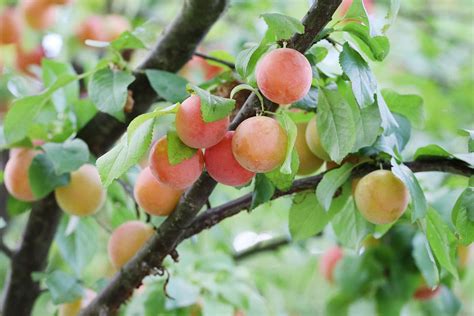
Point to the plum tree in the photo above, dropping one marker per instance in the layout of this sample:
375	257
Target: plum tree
381	197
154	197
328	262
10	26
259	144
192	129
222	165
179	176
16	174
126	240
313	140
84	194
309	162
92	28
284	75
38	14
73	308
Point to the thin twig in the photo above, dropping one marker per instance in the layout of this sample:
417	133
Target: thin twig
263	246
217	60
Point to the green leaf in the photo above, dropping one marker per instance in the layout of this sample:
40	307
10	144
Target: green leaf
43	178
424	260
247	59
316	54
108	91
309	102
332	180
376	47
125	154
367	120
348	225
213	108
442	241
84	110
463	216
307	218
363	81
434	150
420	206
141	119
391	14
290	127
283	181
262	192
446	303
63	287
79	247
183	293
389	123
470	134
409	105
127	40
168	85
177	150
335	127
67	156
62	97
16	207
281	27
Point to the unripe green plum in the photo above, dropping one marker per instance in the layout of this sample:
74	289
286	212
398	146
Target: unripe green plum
259	144
154	197
16	176
126	240
10	27
222	165
309	162
179	176
284	75
381	197
328	262
314	141
84	194
191	128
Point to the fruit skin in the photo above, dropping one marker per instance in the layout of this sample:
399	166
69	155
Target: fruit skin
329	261
345	5
259	144
25	59
222	165
126	240
191	128
10	27
114	25
314	141
84	195
424	293
154	197
16	174
92	28
463	256
179	176
38	14
381	197
284	75
309	162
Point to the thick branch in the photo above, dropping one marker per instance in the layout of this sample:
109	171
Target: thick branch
217	214
21	291
171	232
174	48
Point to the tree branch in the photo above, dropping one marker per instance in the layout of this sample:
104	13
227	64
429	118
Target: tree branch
263	246
172	230
217	214
174	48
217	60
